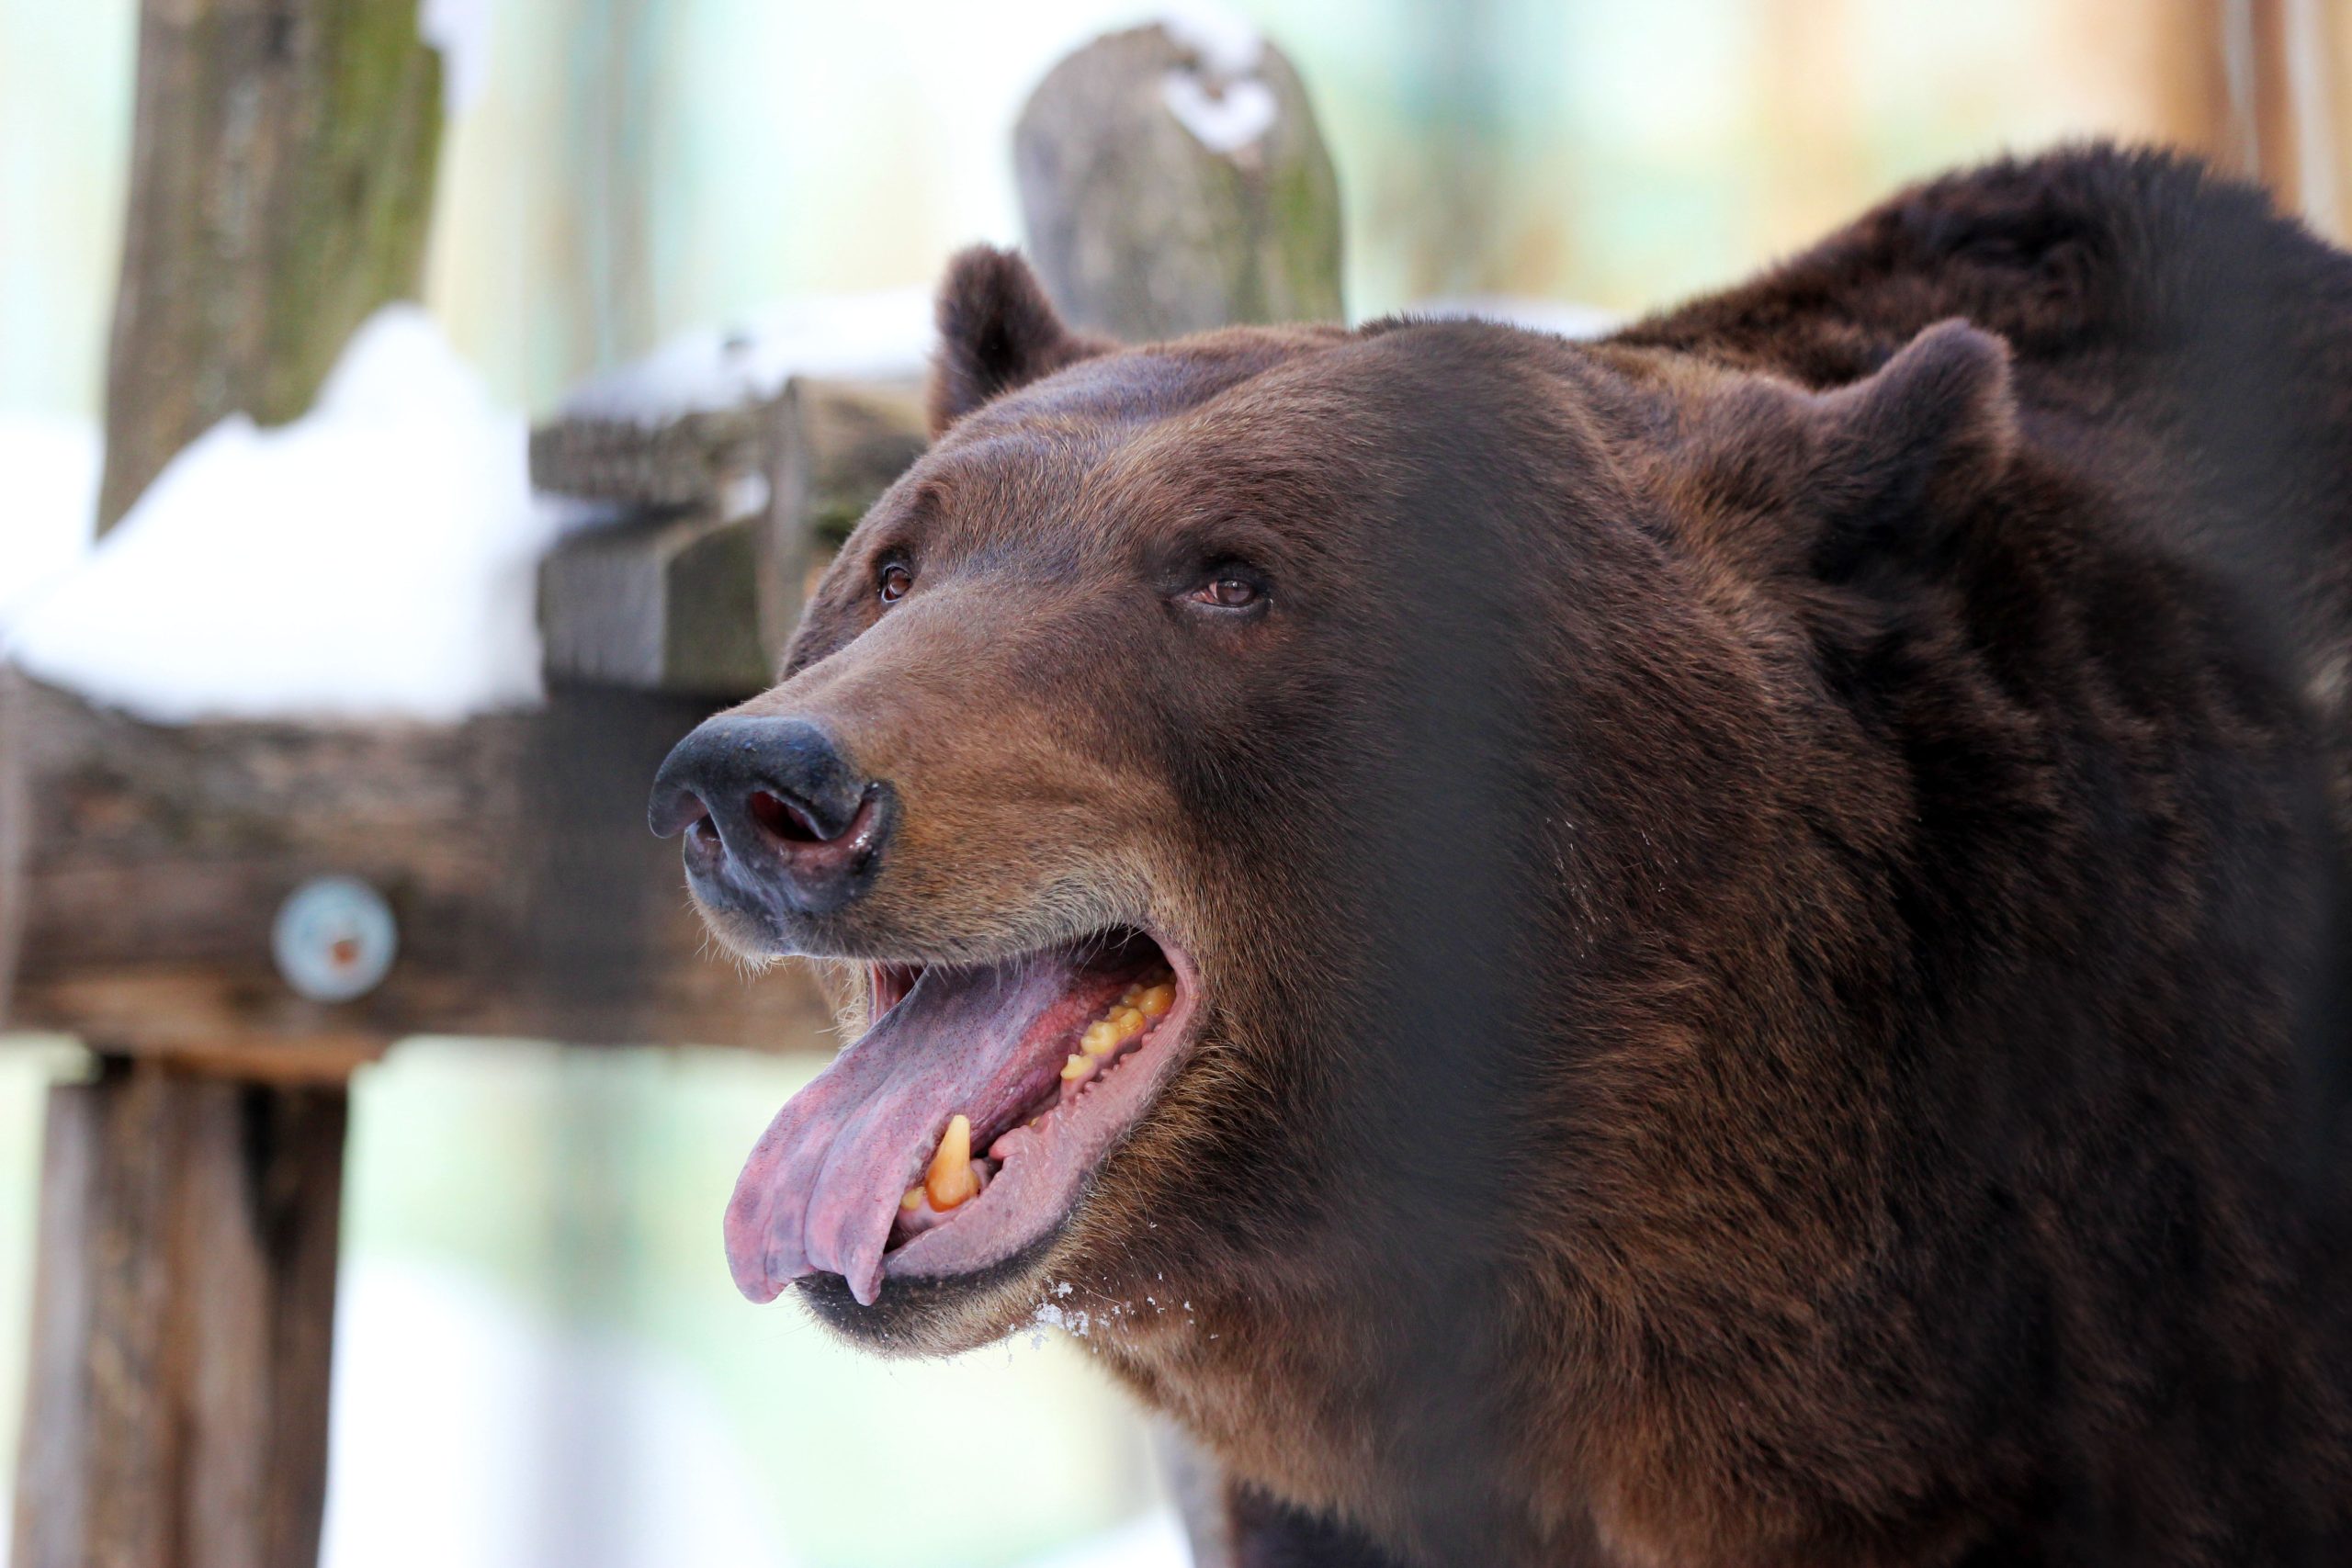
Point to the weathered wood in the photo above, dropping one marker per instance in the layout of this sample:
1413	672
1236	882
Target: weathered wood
1140	227
178	1409
836	445
52	1481
690	461
531	900
667	603
281	181
726	513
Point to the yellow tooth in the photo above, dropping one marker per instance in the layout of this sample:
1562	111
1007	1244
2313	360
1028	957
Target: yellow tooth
951	1180
1157	999
1127	1022
1075	1068
911	1199
1100	1037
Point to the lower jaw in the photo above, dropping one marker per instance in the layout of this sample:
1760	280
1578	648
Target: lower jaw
946	1268
1096	1105
920	1315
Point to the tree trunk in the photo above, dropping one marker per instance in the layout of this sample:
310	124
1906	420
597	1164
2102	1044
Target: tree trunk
281	183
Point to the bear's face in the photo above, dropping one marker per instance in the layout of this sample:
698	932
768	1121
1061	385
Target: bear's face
1120	763
1090	652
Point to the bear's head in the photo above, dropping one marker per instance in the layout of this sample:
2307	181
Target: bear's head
1292	804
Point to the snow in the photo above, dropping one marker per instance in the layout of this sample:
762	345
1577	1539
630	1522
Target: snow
467	1434
461	30
887	333
1223	122
376	558
470	1433
1227	42
52	468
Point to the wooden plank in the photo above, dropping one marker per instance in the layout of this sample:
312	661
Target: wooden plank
697	589
1141	229
281	184
835	447
178	1404
531	900
51	1479
669	604
674	463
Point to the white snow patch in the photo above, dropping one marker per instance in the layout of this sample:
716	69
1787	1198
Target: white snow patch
467	1435
461	30
885	333
1226	120
1154	1541
1218	97
1227	42
375	559
1561	318
1071	1321
51	468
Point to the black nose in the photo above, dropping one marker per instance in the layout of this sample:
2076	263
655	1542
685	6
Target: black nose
772	811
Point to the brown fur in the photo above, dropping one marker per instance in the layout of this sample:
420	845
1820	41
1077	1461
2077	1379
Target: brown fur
1764	887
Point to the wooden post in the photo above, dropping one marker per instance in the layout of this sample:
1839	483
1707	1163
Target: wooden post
1170	184
723	515
281	181
177	1415
2258	87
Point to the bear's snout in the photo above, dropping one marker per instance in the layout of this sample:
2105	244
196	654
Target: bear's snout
777	821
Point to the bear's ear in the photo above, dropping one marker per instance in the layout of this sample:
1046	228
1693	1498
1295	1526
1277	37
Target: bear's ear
1933	429
996	332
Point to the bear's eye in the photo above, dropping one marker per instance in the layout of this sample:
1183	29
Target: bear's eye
1229	591
890	584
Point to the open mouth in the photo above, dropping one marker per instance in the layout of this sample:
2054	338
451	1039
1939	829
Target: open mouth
962	1128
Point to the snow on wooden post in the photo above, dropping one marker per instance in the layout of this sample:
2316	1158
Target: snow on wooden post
281	181
1172	179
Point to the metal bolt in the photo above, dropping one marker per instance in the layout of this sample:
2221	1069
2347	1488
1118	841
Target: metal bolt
334	939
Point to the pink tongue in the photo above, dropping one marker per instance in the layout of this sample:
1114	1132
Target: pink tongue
821	1188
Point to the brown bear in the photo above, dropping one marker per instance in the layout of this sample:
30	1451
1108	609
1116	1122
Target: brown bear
1714	948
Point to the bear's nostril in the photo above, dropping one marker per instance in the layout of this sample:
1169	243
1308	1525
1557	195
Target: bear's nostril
782	818
703	832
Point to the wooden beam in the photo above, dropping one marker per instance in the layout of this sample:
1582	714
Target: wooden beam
185	1292
530	899
281	183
